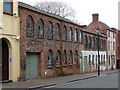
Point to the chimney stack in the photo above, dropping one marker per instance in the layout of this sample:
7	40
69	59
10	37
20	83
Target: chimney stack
95	17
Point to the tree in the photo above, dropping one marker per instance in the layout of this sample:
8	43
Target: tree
58	8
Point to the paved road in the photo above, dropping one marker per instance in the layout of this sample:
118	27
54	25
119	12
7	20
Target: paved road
108	81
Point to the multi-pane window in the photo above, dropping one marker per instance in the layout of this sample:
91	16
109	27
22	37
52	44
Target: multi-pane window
93	42
109	59
50	30
40	29
57	32
89	41
50	59
104	46
86	41
70	58
109	45
113	35
104	60
114	46
29	27
8	6
90	60
70	34
80	37
75	35
93	60
96	60
64	33
58	58
76	58
108	33
64	58
96	43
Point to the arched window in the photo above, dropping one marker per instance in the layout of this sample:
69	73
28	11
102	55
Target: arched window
86	42
29	27
80	37
64	58
70	58
96	45
70	34
58	58
76	58
75	35
50	59
57	32
89	41
50	30
104	44
93	42
64	33
40	29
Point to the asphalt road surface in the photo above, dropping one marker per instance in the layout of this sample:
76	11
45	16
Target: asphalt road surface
108	81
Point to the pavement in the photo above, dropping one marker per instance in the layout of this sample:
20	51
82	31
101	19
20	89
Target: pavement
40	83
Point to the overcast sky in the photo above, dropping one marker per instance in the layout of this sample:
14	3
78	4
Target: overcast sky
107	10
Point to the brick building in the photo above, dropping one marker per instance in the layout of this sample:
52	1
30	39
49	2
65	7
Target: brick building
111	40
117	47
51	45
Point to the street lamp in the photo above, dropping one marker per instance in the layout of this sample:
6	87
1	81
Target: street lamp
98	51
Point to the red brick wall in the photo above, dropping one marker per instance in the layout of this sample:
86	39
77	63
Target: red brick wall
36	44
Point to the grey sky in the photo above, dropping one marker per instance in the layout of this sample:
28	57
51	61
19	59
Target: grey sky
107	9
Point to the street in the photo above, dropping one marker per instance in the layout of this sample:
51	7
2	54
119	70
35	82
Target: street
108	81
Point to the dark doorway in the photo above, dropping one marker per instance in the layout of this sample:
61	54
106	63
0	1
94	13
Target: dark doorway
118	64
5	61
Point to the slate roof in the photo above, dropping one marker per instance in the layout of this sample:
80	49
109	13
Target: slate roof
106	26
93	32
32	8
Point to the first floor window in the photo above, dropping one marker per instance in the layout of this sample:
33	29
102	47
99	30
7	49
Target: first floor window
8	6
70	58
64	58
93	60
49	61
90	60
76	58
58	59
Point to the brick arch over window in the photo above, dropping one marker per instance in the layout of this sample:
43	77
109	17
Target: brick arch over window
49	59
40	28
89	41
29	26
58	58
57	31
70	58
86	41
50	30
75	35
80	36
70	34
64	58
76	58
64	33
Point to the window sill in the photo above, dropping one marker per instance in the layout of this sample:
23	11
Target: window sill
57	66
8	13
49	67
64	65
70	64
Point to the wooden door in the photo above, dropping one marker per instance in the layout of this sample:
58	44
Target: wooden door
5	61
